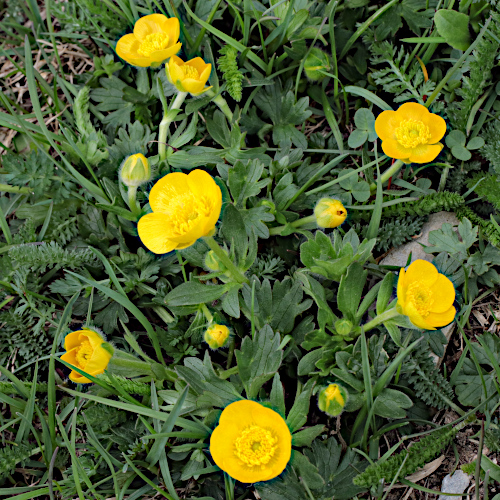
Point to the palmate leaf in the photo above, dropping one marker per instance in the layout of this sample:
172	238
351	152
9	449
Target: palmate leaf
285	114
277	307
200	375
258	360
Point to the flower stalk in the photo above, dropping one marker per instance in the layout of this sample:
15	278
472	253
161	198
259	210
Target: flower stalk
232	270
390	172
381	318
295	224
221	103
168	118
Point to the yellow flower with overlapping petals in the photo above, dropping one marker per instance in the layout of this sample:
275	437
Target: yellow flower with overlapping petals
185	208
411	133
155	39
86	351
425	296
189	76
252	443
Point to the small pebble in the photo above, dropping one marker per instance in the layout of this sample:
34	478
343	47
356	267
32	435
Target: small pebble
454	484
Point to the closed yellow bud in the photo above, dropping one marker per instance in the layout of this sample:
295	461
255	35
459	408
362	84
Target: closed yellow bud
213	263
217	336
135	170
316	62
332	399
330	213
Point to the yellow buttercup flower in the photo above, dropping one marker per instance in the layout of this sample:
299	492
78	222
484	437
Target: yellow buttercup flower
332	399
252	443
329	213
216	336
85	351
189	76
185	208
155	39
411	133
425	296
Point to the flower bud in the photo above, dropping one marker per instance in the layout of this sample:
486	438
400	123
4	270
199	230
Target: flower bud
213	263
135	170
217	336
316	62
330	213
343	327
332	399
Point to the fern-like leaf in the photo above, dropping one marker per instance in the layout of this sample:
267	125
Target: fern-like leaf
230	72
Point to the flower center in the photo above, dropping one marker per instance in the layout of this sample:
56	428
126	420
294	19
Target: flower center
255	446
84	354
412	133
332	393
185	211
421	297
152	43
190	72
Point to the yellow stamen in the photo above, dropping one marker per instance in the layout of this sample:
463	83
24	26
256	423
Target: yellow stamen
412	133
255	446
421	297
84	354
332	393
185	211
190	72
152	43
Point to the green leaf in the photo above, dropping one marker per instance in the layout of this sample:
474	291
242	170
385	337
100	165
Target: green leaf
364	119
258	360
243	181
461	153
307	364
391	403
307	471
297	416
475	143
361	191
277	396
201	376
385	292
305	437
191	293
350	290
455	138
230	303
454	27
233	229
357	138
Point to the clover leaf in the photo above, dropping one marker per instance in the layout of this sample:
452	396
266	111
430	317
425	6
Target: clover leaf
365	128
456	141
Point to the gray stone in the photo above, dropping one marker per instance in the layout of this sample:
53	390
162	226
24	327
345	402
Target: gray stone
399	256
454	484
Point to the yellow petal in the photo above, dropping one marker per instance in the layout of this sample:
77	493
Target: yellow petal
425	153
171	26
401	290
393	149
161	55
192	86
98	362
413	111
93	337
72	340
205	74
171	185
415	317
437	127
70	357
126	48
198	64
443	293
146	25
79	379
423	271
441	319
153	230
386	123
